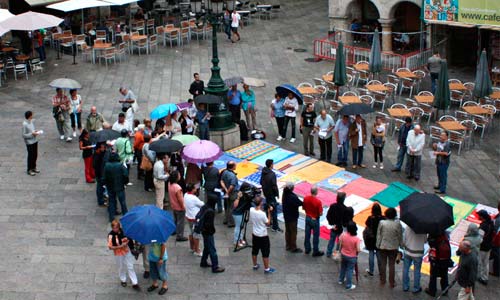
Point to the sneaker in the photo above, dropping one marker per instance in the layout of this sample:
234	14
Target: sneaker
269	271
292	140
199	254
36	171
368	272
74	133
352	287
354	166
318	254
130	183
61	137
256	267
31	173
381	166
279	138
362	166
69	139
340	282
218	270
375	165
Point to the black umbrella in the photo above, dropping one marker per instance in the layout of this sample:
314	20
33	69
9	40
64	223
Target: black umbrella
165	146
426	213
355	109
103	136
208	99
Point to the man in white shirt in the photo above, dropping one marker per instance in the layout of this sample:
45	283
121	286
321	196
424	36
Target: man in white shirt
160	176
129	104
324	126
291	106
235	23
414	143
121	124
193	205
260	239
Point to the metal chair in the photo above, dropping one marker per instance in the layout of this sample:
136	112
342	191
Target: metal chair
374	82
109	54
470	103
397	124
335	106
410	102
363	76
403	70
172	36
399	105
318	81
101	34
454	81
407	84
425	93
36	65
416	114
435	133
420	77
350	93
304	84
380	97
456	138
367	99
456	97
141	44
20	69
469	91
394	80
121	51
428	111
469	132
150	26
447	118
153	42
462	115
160	33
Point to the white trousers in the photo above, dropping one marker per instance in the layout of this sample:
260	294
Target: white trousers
484	265
462	295
126	265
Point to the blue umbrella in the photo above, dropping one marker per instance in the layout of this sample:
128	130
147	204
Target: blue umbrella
163	110
147	224
284	89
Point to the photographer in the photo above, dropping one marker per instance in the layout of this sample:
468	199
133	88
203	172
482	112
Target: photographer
260	239
270	191
230	186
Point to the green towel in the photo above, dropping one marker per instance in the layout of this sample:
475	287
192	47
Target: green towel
461	209
393	194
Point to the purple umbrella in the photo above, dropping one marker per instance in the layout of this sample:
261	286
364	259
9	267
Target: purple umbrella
184	105
201	152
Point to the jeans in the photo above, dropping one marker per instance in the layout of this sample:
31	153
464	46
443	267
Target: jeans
413	164
401	157
343	152
235	113
292	120
357	156
314	226
331	242
32	156
434	79
209	249
483	269
280	122
325	147
148	180
179	216
227	30
308	140
76	120
112	203
495	254
346	269
438	269
377	154
204	133
274	215
157	271
99	191
442	173
41	52
371	260
237	228
228	208
291	236
417	265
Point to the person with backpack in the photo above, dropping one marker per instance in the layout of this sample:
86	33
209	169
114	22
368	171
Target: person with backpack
204	225
440	261
495	250
488	228
335	217
370	236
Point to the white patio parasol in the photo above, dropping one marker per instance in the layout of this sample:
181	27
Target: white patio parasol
72	5
5	14
120	2
30	21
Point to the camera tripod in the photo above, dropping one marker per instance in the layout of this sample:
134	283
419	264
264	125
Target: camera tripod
243	228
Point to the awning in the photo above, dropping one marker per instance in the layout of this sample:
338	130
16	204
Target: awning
490	27
449	23
41	2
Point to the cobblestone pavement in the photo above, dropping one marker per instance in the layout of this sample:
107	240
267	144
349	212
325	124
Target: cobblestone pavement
53	234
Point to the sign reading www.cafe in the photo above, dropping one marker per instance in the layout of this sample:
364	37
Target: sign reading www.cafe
480	12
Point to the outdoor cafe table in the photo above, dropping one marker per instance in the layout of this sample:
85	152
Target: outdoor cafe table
399	112
99	47
451	125
22	58
376	88
349	99
135	38
361	67
476	110
308	90
405	74
328	77
8	49
457	86
495	95
424	99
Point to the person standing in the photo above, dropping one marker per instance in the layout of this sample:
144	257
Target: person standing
271	192
234	98
314	209
415	144
370	238
235	23
357	135
138	144
128	99
434	67
177	204
307	120
342	138
75	111
160	176
442	150
210	183
124	148
187	123
115	178
197	87
227	23
98	161
467	271
148	171
94	120
31	141
413	245
203	117
208	231
291	204
87	149
193	206
260	239
487	227
495	250
122	124
439	258
389	239
38	45
349	248
324	126
291	105
193	175
61	107
248	105
335	218
119	243
237	213
278	110
158	265
402	135
230	186
378	141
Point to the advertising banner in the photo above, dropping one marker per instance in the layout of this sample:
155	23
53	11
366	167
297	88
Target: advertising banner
477	12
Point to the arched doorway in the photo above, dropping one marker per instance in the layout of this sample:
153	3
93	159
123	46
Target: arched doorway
362	16
407	16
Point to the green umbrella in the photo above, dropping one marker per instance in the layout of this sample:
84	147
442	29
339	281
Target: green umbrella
442	96
340	74
482	85
375	54
186	139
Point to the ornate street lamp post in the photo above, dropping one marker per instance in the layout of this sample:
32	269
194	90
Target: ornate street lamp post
214	9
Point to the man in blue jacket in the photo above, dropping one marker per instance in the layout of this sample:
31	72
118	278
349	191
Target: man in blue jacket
403	134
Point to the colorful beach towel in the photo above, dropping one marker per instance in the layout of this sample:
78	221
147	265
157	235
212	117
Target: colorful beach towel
458	233
221	162
338	180
326	197
474	217
360	218
363	187
317	172
461	209
245	168
252	150
357	203
277	155
393	194
254	179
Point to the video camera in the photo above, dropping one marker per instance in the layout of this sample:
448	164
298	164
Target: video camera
249	192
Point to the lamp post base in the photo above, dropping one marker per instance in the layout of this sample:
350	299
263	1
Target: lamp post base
226	139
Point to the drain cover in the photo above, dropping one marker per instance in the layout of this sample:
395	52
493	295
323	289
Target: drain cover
312	59
300	50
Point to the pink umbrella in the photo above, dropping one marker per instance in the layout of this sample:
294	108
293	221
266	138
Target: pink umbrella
201	152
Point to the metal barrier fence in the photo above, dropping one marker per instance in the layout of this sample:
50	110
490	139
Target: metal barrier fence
325	49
